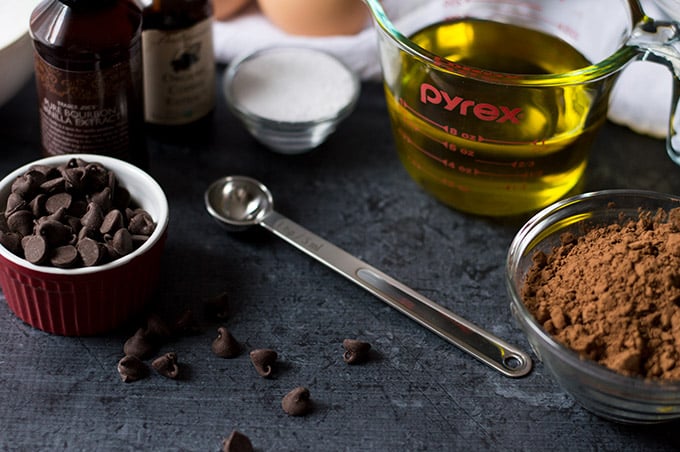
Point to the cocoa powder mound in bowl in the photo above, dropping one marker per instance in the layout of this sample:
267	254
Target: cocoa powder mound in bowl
594	282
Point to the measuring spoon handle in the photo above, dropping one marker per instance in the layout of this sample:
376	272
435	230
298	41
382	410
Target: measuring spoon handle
481	344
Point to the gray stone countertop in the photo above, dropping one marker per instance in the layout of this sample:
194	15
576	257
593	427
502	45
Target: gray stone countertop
418	392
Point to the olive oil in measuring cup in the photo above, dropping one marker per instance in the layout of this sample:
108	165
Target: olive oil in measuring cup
493	141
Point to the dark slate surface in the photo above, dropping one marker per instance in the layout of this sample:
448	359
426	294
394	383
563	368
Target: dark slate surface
417	393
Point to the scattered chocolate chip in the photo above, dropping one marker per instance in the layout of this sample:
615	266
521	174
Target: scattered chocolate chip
166	365
157	329
356	351
132	368
237	442
264	359
139	345
225	345
297	402
218	307
186	325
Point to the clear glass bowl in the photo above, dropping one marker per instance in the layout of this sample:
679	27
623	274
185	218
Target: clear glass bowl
290	98
598	389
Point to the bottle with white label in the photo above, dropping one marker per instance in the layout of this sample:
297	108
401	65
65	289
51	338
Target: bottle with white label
88	64
179	64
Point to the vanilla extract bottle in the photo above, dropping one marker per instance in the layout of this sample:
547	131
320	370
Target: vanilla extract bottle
179	67
88	66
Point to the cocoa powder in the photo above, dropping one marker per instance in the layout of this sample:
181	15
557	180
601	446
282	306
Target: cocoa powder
612	294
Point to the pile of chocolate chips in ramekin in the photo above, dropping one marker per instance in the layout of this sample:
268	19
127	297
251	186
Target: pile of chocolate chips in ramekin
72	215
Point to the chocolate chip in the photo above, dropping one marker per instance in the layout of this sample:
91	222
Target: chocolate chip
297	402
112	222
91	252
11	241
122	242
237	442
94	216
86	233
356	351
263	359
138	240
58	201
225	345
21	222
166	365
26	185
73	178
102	199
45	171
185	324
64	256
35	249
58	215
132	369
139	345
53	185
37	205
141	223
15	202
157	329
54	232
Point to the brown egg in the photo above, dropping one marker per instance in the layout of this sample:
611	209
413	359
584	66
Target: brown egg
316	17
224	9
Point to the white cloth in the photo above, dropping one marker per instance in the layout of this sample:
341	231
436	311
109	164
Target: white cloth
641	99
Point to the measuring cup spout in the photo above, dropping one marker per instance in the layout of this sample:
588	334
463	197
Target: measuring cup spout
659	41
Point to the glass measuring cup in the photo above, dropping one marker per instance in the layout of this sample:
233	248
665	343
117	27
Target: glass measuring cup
494	104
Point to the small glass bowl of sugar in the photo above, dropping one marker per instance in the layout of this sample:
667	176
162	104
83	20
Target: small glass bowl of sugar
290	98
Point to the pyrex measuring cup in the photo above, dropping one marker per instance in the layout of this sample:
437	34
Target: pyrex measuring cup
494	104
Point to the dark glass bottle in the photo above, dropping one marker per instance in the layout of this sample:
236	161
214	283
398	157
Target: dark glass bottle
88	63
179	66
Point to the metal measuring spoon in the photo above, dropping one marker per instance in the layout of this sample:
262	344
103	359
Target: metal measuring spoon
239	202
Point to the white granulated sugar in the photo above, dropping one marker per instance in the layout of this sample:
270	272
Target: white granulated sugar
293	85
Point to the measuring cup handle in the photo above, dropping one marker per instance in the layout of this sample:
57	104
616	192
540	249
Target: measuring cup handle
479	343
659	41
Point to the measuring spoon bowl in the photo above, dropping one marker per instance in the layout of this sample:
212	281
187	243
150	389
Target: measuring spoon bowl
238	202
